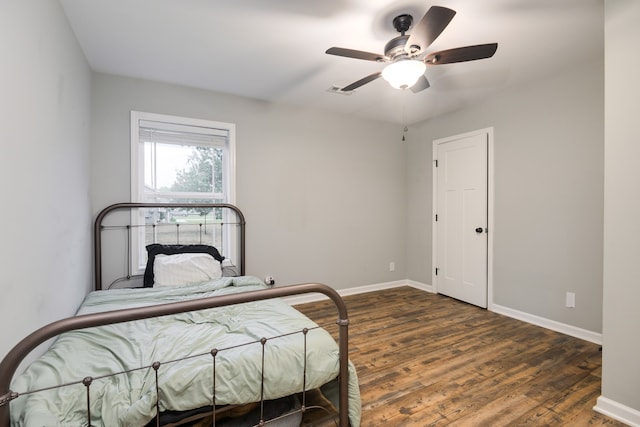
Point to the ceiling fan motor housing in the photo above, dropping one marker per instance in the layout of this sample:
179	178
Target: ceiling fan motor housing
394	49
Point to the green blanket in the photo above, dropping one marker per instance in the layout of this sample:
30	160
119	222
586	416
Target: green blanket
128	399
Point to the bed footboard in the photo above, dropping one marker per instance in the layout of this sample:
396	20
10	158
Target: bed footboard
12	360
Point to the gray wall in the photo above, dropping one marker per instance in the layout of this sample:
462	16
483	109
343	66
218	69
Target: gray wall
621	372
45	215
324	195
548	193
303	175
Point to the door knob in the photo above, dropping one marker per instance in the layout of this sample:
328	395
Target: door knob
479	230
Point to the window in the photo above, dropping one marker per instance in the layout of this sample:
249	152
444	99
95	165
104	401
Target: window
177	160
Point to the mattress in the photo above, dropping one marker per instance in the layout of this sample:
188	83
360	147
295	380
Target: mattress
184	345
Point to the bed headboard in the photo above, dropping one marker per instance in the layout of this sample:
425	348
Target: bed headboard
154	221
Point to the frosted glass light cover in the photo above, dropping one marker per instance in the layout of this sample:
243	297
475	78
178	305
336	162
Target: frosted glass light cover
403	74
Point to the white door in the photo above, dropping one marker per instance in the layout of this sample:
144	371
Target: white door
461	222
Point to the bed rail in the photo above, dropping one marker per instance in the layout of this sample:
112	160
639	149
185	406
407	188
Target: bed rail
98	228
11	361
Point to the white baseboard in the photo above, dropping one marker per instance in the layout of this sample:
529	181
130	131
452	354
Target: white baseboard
573	331
617	411
306	298
422	286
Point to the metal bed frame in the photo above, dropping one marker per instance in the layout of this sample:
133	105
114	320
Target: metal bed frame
12	360
98	228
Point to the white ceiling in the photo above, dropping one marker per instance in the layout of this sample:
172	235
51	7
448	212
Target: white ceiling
273	50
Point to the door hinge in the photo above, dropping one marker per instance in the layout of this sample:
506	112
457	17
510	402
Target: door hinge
436	162
436	217
437	270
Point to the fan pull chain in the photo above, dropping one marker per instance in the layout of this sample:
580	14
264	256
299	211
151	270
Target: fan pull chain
403	98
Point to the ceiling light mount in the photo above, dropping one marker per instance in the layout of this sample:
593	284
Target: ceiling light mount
402	23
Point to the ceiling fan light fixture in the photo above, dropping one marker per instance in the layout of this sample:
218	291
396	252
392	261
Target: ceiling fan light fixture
403	74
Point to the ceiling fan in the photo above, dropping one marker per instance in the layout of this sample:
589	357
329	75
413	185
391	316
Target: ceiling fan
407	67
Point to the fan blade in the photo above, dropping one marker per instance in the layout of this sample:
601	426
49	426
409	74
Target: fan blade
421	84
364	81
357	54
429	28
462	54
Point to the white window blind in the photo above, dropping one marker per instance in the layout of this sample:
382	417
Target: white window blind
179	160
172	133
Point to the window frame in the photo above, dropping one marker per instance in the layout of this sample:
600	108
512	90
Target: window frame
138	253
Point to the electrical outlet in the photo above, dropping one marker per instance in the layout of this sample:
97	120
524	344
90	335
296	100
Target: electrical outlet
269	280
570	300
392	266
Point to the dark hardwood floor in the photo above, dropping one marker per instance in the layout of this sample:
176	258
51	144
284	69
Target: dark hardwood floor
428	360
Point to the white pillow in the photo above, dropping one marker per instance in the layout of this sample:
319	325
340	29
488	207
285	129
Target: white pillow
185	269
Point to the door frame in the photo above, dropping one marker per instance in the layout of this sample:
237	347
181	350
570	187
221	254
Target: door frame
490	205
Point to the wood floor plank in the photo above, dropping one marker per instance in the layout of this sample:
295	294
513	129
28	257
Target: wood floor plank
428	360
